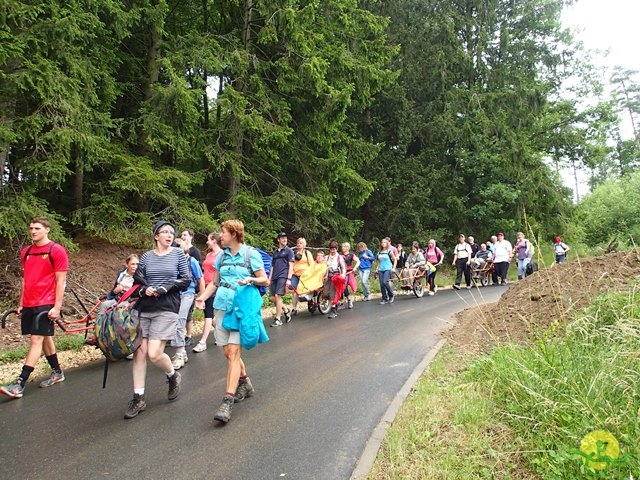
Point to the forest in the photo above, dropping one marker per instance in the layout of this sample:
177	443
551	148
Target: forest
347	119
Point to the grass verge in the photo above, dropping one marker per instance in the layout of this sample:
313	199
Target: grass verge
527	411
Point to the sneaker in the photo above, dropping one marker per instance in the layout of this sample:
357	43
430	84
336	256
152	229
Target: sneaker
504	282
349	303
135	406
392	299
200	347
188	341
383	302
468	287
365	299
15	390
294	312
52	380
457	287
287	316
431	293
224	412
276	323
435	288
333	314
245	389
178	361
174	382
129	357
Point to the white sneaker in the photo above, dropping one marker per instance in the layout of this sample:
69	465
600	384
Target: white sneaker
179	360
200	347
435	288
431	293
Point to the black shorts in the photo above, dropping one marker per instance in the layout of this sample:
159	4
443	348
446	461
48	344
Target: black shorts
45	326
208	307
278	286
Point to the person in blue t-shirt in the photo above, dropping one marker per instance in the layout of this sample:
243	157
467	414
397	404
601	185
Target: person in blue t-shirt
366	258
231	271
280	278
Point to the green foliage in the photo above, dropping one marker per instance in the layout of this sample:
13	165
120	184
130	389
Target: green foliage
612	211
557	392
330	119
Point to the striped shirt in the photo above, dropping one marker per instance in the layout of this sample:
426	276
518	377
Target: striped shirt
158	270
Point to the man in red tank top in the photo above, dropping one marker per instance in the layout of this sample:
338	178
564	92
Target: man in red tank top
45	266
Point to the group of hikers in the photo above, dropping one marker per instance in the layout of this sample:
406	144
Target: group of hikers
172	278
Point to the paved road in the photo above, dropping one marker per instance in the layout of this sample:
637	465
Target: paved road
321	388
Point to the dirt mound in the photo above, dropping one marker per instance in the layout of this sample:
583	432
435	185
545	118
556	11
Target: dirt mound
550	295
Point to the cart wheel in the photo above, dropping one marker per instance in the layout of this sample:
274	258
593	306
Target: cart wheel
311	306
5	316
324	305
418	288
484	281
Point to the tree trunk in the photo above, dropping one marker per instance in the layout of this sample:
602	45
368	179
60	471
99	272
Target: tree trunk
234	177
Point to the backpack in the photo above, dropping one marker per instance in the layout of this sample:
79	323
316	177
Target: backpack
266	259
117	333
531	248
531	267
28	252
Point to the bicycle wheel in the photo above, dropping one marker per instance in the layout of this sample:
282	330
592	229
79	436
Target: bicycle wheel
5	317
324	305
418	288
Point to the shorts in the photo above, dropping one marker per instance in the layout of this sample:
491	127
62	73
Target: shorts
222	335
44	327
208	307
295	280
277	286
157	325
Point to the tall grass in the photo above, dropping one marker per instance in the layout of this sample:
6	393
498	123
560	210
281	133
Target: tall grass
523	411
557	391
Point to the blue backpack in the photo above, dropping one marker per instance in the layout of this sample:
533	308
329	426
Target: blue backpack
266	259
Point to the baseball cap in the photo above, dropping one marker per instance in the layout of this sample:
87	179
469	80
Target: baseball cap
281	234
500	233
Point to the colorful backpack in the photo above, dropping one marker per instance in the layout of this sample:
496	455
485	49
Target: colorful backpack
117	333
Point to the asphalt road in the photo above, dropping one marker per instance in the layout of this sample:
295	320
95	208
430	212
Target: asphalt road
322	386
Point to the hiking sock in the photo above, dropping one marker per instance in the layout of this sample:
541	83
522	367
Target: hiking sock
53	362
24	375
244	377
171	373
138	391
230	394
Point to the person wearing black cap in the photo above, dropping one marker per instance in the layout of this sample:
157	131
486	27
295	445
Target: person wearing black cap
280	278
163	272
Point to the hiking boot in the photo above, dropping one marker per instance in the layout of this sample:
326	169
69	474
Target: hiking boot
200	347
174	382
245	389
15	390
287	316
349	303
178	361
276	323
54	378
135	406
224	412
